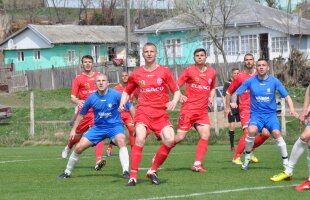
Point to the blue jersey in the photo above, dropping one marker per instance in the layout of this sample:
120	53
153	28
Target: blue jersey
263	93
105	108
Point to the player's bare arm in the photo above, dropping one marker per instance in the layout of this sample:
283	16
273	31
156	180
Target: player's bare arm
124	99
172	104
77	101
76	124
211	98
291	106
227	109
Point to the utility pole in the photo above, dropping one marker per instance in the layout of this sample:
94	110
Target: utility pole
127	27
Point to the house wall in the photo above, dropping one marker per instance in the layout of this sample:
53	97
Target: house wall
57	56
192	40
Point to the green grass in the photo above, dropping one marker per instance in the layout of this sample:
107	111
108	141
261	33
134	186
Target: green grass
30	173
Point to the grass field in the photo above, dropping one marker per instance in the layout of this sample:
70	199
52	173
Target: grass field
30	172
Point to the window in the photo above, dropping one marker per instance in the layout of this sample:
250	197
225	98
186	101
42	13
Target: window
20	55
279	44
249	44
37	54
231	45
174	47
206	43
71	55
96	53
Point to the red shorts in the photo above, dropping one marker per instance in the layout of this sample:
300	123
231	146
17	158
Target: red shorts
189	119
86	123
244	117
126	118
153	119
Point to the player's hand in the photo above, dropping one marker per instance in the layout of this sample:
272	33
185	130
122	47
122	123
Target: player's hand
121	108
80	103
295	114
227	110
234	105
183	98
171	105
72	134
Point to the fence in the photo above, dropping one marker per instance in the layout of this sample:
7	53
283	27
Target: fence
53	78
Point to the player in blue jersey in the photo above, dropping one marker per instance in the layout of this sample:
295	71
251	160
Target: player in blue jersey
263	89
298	148
108	124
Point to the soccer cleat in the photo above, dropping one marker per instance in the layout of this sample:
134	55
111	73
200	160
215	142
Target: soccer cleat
63	176
109	152
126	175
253	158
131	182
153	177
245	164
236	161
198	168
303	186
65	152
281	176
100	164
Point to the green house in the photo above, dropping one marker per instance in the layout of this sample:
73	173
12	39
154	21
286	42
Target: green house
47	46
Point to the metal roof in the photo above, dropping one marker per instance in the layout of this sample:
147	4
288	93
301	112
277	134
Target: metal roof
244	13
62	34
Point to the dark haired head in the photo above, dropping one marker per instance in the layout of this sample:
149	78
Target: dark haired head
199	50
88	57
248	54
149	44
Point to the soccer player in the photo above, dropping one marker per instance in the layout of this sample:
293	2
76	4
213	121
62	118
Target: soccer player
126	118
262	88
298	148
153	82
200	82
84	85
108	124
244	109
233	116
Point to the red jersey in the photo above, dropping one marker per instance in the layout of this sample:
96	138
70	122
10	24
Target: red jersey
198	87
153	87
84	85
244	99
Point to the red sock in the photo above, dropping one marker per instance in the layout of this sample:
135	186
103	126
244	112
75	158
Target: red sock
241	146
110	146
99	150
201	149
160	156
131	136
73	142
260	139
136	156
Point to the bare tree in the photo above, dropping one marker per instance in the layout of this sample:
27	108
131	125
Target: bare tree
214	17
270	3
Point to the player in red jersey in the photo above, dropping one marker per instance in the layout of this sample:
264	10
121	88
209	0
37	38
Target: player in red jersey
153	82
200	82
244	109
126	117
84	85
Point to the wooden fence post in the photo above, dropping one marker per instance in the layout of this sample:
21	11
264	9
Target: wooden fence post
31	128
283	120
216	126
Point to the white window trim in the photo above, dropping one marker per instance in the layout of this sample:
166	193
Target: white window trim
35	53
70	51
20	54
178	54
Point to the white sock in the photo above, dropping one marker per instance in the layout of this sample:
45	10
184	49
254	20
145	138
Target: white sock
73	160
249	142
283	150
308	159
297	151
124	158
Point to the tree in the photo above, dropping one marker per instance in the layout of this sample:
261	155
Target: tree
270	3
214	17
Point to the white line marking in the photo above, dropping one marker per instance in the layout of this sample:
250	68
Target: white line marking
217	192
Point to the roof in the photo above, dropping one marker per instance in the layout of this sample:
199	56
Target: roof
244	13
62	34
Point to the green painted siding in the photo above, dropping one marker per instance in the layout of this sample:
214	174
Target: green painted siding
190	40
56	56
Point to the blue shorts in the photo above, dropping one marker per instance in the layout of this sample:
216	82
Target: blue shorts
268	121
96	134
308	124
